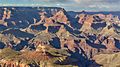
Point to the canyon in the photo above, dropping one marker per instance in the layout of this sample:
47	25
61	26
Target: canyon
54	37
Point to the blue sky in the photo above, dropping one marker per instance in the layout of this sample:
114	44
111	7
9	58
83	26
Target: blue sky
70	5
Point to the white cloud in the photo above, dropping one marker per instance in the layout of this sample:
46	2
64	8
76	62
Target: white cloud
77	1
99	6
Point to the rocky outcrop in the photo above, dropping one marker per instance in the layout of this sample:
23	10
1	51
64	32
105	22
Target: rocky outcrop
87	23
61	17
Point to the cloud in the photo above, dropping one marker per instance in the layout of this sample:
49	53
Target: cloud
77	1
111	1
98	6
70	4
51	1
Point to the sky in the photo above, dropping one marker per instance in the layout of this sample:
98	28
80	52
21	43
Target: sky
69	5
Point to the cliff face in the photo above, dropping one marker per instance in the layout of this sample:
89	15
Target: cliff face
52	31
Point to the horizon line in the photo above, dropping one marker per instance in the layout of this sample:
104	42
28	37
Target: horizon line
38	5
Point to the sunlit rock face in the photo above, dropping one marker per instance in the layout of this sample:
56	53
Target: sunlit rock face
52	35
107	60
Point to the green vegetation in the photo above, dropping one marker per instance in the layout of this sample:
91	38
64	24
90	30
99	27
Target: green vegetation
108	60
8	53
37	58
58	52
